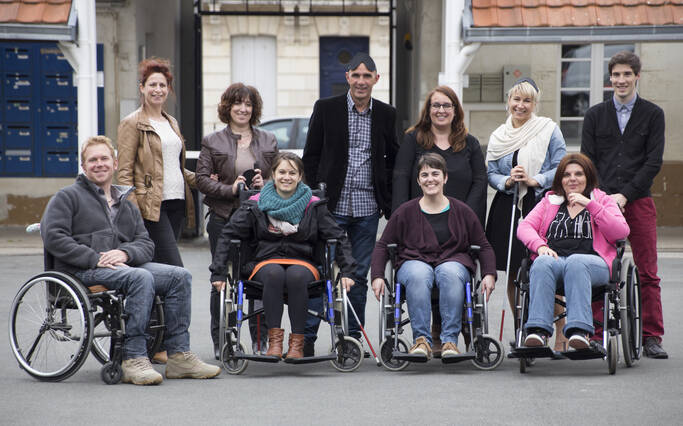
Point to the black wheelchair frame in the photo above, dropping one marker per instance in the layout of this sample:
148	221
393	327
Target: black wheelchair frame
485	351
346	353
621	319
55	321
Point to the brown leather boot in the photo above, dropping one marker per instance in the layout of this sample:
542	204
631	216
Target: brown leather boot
296	346
275	338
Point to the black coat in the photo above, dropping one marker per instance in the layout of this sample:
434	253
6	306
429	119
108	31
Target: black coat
326	155
250	225
467	179
628	163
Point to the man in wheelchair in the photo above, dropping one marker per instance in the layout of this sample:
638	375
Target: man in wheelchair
571	234
433	234
97	235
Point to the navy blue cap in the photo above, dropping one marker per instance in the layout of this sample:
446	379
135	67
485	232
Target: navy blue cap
528	80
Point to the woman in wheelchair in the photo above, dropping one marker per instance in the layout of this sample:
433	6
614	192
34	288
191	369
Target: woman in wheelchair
571	234
433	234
286	224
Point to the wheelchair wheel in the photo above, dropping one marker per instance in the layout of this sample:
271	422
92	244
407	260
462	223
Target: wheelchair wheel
612	354
102	330
230	363
490	353
111	373
385	357
51	326
631	320
349	354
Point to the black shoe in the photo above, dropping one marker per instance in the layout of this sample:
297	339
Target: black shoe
309	349
653	349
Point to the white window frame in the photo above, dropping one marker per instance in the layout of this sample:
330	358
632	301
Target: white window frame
596	89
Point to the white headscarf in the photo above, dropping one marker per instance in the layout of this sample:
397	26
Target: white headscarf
531	139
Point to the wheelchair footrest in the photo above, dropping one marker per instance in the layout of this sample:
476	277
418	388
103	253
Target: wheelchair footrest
311	359
257	358
402	356
452	359
531	352
593	352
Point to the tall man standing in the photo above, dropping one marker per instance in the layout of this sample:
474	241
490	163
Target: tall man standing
351	146
624	136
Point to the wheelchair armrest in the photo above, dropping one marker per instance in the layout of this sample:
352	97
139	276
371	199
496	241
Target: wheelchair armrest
393	252
322	187
474	251
616	263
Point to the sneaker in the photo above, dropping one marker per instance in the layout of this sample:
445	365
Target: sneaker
182	365
264	348
421	347
535	340
139	371
579	341
160	358
449	349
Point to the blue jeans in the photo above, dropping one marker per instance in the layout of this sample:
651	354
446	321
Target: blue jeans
419	278
579	272
139	285
362	233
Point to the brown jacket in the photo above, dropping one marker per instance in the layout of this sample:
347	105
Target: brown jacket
218	157
141	165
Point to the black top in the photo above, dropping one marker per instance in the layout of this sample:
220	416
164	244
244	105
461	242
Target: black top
326	154
571	236
439	223
466	173
626	163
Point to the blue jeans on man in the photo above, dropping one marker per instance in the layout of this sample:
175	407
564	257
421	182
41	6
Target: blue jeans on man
140	284
579	273
418	279
362	233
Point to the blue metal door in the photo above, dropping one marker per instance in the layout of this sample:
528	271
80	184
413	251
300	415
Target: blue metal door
335	54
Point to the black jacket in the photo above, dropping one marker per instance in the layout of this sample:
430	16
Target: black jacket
628	163
326	155
76	227
250	225
467	179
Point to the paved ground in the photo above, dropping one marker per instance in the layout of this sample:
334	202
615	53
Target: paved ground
554	392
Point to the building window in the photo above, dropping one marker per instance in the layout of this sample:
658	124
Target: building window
584	81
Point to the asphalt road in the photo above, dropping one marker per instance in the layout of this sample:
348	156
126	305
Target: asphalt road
552	392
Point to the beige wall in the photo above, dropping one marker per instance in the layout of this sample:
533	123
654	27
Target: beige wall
297	57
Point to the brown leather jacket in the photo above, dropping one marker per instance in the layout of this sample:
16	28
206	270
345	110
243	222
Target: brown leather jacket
141	165
218	157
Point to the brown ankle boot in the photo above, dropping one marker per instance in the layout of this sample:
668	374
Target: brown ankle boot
275	338
296	346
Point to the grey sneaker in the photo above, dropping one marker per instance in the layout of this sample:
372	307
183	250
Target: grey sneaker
139	371
182	365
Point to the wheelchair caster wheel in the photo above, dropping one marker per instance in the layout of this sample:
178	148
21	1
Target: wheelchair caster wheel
385	354
349	355
231	364
490	353
111	373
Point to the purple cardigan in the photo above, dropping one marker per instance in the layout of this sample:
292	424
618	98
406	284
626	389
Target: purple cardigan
607	221
416	240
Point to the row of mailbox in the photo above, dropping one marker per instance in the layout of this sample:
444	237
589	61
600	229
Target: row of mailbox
15	111
22	162
24	58
54	86
59	138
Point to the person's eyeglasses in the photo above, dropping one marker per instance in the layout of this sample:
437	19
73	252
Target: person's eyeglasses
446	106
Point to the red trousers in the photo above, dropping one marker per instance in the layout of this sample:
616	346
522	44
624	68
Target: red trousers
641	217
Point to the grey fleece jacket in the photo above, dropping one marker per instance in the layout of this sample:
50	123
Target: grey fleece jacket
76	227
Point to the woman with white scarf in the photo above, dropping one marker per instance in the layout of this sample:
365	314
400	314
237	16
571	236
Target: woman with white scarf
522	154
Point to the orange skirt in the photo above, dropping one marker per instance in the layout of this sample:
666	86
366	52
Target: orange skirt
306	265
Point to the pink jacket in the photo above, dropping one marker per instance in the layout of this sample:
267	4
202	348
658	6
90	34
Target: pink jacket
607	222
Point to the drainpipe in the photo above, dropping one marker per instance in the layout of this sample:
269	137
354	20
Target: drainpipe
82	57
456	56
